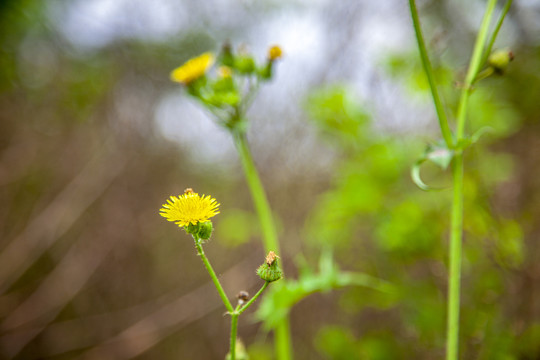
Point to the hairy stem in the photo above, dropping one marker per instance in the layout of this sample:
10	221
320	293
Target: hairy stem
212	273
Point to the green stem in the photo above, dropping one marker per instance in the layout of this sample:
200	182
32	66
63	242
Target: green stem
283	344
212	273
252	300
257	193
474	65
234	327
452	331
496	32
441	115
282	331
454	276
234	320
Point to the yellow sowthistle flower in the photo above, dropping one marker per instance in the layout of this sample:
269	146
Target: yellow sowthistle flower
193	69
189	208
274	53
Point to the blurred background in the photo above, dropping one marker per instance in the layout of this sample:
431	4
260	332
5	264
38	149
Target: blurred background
94	138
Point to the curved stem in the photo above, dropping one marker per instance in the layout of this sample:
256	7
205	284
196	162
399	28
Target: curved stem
441	115
212	273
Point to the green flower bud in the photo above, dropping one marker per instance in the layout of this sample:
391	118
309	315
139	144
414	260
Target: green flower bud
244	64
499	60
226	56
270	271
205	230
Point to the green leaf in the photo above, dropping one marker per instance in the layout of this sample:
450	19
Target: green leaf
283	296
438	154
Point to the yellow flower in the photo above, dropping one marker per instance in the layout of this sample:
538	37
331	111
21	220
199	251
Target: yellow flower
189	208
274	53
193	68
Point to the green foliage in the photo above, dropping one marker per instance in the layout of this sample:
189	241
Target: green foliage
279	301
374	202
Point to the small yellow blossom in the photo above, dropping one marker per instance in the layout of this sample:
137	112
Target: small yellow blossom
189	208
193	68
225	71
274	53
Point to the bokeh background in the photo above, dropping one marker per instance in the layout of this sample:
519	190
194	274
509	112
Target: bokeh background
94	137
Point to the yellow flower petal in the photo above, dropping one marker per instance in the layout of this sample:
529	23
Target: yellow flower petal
193	68
189	208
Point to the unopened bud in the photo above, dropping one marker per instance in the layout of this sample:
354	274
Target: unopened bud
205	230
499	60
270	271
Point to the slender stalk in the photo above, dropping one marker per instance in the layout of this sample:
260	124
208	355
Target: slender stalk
257	193
496	32
212	273
234	328
456	235
454	276
283	344
441	115
282	332
474	65
234	320
252	300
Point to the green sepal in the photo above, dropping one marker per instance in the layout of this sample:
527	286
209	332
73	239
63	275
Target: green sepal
270	272
192	228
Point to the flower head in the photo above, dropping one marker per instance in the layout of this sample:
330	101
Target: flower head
189	208
193	69
274	53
